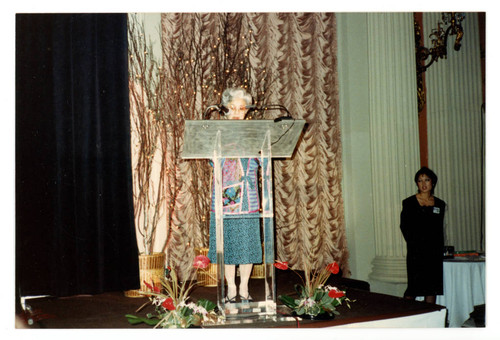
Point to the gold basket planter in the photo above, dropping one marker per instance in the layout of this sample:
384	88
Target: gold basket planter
258	271
206	277
151	270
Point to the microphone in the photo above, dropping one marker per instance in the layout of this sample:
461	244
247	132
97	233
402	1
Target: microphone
279	119
222	109
277	107
219	108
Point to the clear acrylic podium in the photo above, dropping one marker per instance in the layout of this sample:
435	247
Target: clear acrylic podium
263	139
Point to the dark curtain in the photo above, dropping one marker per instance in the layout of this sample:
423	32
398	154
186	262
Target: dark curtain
75	230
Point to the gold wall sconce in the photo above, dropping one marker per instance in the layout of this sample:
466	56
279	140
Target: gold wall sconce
439	50
439	40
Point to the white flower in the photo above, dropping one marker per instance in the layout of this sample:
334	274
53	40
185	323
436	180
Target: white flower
201	310
157	301
195	308
309	302
190	305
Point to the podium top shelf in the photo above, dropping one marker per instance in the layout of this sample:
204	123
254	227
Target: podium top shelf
240	138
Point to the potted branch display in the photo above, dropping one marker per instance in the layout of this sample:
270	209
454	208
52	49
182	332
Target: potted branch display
148	149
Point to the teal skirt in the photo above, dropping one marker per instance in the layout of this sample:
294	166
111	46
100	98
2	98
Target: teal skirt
242	240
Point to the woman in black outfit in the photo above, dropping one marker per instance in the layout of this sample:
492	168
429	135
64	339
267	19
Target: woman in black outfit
422	226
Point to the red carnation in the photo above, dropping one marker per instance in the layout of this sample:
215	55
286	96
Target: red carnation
168	303
333	268
281	265
201	262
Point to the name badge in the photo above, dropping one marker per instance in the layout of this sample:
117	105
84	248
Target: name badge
436	210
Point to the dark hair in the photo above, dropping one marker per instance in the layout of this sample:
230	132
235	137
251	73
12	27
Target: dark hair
429	173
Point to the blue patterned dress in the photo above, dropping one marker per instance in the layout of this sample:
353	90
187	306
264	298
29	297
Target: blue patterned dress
240	201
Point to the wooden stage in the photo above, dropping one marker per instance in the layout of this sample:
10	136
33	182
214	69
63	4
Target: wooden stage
108	310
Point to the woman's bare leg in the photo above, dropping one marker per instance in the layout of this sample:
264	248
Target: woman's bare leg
230	273
245	272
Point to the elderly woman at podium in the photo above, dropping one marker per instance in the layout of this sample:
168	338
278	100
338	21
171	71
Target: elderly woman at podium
240	199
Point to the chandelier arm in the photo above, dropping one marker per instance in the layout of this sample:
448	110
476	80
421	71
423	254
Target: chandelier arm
422	55
458	39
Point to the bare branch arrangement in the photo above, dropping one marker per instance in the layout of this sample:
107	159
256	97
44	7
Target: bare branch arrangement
146	124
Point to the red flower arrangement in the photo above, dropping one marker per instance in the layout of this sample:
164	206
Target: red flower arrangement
314	297
171	302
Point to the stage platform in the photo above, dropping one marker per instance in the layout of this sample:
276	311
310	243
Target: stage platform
368	309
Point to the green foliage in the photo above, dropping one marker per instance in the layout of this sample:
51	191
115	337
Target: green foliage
207	304
301	290
288	301
149	320
319	302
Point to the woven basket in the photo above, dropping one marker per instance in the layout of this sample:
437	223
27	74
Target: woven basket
258	271
206	277
151	270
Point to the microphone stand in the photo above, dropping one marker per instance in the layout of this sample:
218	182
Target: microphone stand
222	110
273	107
208	110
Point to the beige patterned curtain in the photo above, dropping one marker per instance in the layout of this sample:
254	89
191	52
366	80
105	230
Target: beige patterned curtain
282	58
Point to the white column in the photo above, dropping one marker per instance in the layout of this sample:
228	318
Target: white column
393	135
456	136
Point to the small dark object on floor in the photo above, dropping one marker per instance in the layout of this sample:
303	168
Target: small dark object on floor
478	315
322	316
